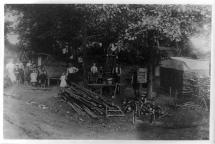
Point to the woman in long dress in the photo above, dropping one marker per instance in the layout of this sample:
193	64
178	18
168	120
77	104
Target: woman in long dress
10	67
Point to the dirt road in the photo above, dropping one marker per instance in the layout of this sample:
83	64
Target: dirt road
31	113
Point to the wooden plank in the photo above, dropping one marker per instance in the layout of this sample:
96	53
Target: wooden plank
89	112
89	104
76	108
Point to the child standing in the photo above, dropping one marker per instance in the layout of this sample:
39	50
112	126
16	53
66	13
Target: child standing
63	83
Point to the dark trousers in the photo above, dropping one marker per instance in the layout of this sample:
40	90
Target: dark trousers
71	78
136	88
21	76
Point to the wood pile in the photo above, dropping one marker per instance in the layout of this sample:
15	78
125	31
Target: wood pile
204	87
199	88
84	101
196	86
190	105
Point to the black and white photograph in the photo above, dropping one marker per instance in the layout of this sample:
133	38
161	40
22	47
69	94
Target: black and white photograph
76	71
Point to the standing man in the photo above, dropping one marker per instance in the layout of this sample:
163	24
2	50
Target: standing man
135	84
10	67
28	71
29	64
43	77
71	71
21	71
94	69
117	73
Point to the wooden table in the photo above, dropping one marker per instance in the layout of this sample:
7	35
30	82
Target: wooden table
100	86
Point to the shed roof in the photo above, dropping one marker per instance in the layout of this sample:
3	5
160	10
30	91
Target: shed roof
186	64
194	64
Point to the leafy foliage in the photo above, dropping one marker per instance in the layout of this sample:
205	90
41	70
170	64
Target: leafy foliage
51	27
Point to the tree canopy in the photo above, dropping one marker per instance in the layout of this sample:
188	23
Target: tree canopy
50	27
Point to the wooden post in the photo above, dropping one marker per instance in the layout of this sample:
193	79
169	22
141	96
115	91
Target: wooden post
48	82
176	95
170	91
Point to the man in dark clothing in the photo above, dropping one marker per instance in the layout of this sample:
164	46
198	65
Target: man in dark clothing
135	84
117	73
43	77
71	71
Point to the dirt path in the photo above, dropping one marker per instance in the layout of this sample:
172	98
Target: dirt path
25	118
38	114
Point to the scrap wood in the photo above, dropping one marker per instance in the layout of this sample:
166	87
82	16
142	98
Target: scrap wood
80	106
89	112
92	106
89	92
77	92
77	109
94	96
84	101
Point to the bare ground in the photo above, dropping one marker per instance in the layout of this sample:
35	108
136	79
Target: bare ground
31	113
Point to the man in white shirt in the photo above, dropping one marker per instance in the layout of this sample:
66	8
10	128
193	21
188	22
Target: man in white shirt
29	63
94	69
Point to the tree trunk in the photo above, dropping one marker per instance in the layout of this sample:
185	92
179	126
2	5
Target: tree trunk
150	80
178	49
84	42
151	67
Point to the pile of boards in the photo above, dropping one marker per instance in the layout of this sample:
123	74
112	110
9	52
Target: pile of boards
190	105
197	87
84	101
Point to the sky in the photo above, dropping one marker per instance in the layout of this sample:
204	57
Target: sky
11	17
13	38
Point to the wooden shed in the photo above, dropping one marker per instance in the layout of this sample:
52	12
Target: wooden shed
176	72
54	67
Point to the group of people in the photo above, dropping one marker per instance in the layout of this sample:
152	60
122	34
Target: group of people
29	73
70	74
116	72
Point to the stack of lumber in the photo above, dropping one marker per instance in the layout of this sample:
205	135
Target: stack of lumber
195	85
188	87
204	87
199	87
190	105
84	101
